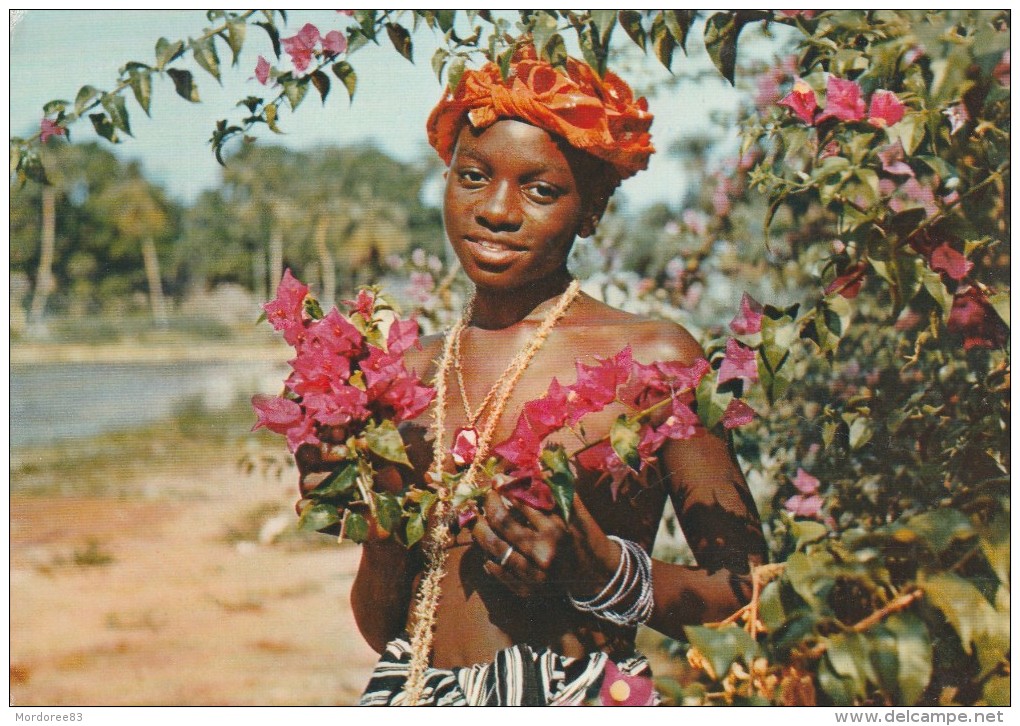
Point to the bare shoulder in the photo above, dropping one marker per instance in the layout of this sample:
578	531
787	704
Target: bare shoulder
650	339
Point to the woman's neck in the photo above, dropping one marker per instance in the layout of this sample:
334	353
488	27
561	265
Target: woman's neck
495	309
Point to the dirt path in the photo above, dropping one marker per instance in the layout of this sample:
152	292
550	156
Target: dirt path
169	598
185	611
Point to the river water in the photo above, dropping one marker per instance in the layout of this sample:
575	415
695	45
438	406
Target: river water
55	402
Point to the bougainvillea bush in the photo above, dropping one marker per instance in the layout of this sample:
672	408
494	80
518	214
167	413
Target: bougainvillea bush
866	215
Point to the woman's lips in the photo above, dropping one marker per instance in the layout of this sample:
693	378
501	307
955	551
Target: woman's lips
492	252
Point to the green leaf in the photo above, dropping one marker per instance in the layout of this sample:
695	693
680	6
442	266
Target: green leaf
847	656
932	282
861	432
971	615
401	40
204	52
770	606
274	36
167	52
722	30
54	107
347	76
321	82
237	29
445	18
663	43
542	30
810	578
387	511
141	86
941	527
295	90
339	482
604	21
271	113
384	440
839	689
318	517
453	76
994	539
913	655
439	59
116	108
85	95
806	532
722	646
679	23
1000	302
356	527
556	51
624	438
103	127
414	530
184	84
561	479
630	20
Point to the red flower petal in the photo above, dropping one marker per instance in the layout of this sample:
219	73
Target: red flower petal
945	259
802	101
748	320
737	413
886	109
740	362
842	100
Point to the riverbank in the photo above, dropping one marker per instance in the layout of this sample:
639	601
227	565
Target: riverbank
171	351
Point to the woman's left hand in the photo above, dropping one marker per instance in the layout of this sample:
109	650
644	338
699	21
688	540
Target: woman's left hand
545	548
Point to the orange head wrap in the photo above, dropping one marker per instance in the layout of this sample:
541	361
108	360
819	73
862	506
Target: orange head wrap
598	116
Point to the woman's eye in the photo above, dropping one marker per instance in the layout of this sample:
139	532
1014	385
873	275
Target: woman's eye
472	177
544	192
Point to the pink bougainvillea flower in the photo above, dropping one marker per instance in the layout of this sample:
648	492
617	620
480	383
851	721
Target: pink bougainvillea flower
465	444
802	101
886	109
850	282
958	117
740	362
286	310
262	71
914	195
620	689
402	336
334	42
49	128
301	46
945	259
801	505
805	483
406	396
348	13
974	318
842	100
338	407
467	515
595	387
334	333
275	413
748	320
548	413
737	413
302	433
523	447
317	371
807	503
364	303
892	158
381	369
528	487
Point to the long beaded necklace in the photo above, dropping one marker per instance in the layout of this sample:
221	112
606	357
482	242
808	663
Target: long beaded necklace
424	614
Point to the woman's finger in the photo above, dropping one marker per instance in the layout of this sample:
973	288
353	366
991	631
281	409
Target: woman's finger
505	558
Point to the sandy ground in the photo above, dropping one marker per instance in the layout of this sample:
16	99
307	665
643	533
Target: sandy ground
170	598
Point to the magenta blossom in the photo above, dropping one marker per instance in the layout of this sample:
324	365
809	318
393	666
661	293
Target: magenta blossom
526	486
363	304
945	259
807	503
850	282
262	71
739	362
620	689
748	320
301	46
465	444
402	336
842	100
892	158
974	318
737	413
802	101
334	42
48	128
286	310
886	109
275	413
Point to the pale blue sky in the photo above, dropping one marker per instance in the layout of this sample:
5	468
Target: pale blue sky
54	53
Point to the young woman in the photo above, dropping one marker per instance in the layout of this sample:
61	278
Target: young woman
535	609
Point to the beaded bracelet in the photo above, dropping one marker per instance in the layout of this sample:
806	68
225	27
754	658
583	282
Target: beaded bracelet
633	575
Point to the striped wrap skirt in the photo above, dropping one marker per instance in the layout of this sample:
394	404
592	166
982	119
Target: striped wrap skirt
518	676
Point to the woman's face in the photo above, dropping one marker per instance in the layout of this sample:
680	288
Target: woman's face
512	205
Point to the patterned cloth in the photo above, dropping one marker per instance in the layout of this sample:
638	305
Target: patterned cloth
597	115
519	676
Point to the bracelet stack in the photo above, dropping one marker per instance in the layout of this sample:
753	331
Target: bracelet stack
631	583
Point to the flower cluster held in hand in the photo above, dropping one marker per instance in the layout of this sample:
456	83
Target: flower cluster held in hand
343	376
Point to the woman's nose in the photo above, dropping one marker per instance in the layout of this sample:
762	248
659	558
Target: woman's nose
500	210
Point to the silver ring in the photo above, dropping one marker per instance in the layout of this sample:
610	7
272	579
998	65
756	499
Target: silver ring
506	556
